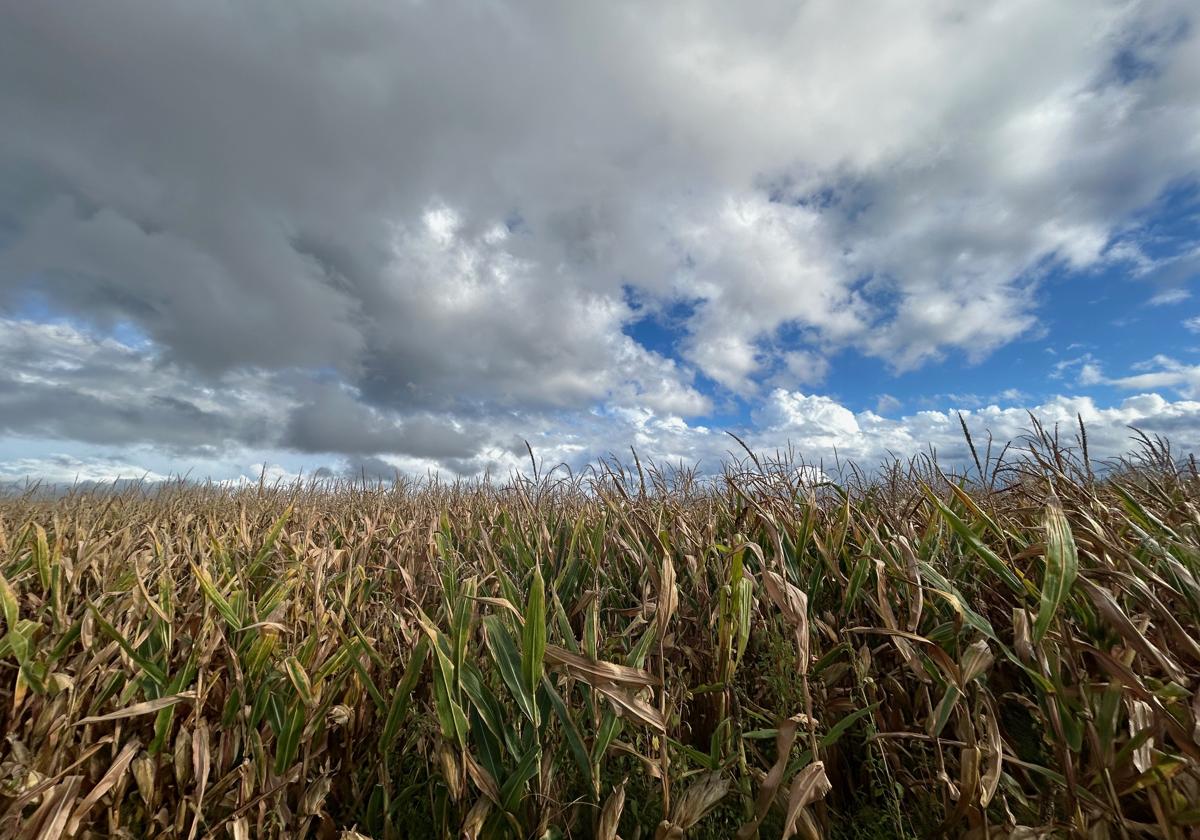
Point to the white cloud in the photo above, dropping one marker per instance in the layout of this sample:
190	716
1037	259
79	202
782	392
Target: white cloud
64	469
804	367
430	216
814	427
1158	373
887	404
1162	372
943	155
1090	374
1169	297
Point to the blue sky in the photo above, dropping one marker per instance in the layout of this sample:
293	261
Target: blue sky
1118	313
410	238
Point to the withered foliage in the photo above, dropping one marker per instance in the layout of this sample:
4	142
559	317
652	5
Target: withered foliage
1013	652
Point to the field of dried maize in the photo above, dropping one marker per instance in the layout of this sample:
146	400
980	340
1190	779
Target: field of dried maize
1007	652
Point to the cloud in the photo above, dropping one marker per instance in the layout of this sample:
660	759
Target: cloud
1163	372
887	404
412	231
1158	373
814	426
59	381
63	469
1168	297
1090	374
336	421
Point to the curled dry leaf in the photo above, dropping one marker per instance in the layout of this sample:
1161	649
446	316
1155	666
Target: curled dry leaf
50	820
107	782
610	814
700	798
1022	634
136	709
976	660
809	785
668	596
473	824
145	772
628	705
594	673
794	605
1141	718
769	786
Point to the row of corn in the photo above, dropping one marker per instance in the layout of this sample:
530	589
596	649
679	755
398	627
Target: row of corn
637	654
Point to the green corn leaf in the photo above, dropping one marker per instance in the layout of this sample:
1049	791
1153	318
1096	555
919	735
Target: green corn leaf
460	626
1062	566
366	645
533	636
571	732
276	595
215	597
269	542
165	717
450	714
941	714
9	603
591	629
858	577
299	679
637	656
513	787
838	729
958	603
368	683
492	714
152	669
265	705
610	727
564	625
403	693
972	541
19	641
289	738
743	608
336	662
41	557
487	745
259	654
504	652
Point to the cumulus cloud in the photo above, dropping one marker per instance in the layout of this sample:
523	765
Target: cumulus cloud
887	404
413	231
819	428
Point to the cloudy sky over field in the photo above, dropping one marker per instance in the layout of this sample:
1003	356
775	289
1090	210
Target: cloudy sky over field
381	236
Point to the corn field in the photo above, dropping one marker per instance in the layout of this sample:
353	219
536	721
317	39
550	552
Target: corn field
634	652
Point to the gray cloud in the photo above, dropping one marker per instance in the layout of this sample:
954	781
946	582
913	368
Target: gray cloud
334	421
230	430
412	229
60	382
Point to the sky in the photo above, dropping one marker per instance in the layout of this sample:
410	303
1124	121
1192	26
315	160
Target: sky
365	238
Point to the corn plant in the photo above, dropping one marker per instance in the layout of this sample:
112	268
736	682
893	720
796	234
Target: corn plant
636	652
